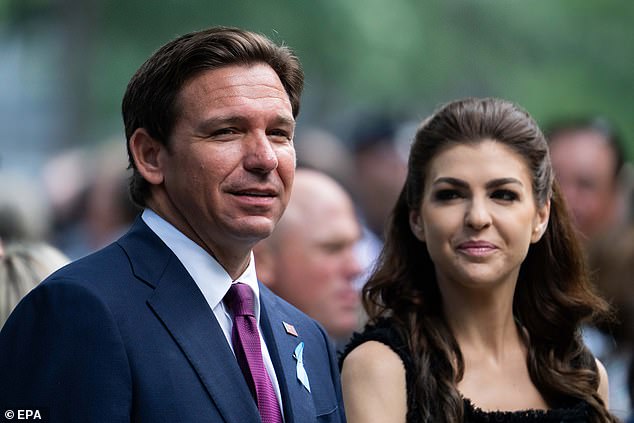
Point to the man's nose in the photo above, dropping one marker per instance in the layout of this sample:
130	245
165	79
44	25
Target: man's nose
260	155
352	264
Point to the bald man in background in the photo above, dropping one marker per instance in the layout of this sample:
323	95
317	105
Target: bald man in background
310	258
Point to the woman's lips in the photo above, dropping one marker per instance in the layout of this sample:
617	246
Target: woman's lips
477	248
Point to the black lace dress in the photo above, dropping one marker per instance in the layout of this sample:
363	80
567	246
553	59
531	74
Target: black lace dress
383	332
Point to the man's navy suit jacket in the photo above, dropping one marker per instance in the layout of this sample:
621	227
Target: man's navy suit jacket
126	335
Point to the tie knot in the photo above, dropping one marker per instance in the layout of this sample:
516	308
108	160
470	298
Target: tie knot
240	300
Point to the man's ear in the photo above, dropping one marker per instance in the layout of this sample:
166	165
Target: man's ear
416	225
145	152
541	222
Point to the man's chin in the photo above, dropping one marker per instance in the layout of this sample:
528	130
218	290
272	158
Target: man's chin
256	229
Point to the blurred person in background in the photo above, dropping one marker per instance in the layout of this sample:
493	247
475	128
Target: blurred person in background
67	177
25	256
24	264
109	209
24	214
613	340
589	163
310	259
588	159
379	169
88	193
321	150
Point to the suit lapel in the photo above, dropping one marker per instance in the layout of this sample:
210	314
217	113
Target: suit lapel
298	403
183	310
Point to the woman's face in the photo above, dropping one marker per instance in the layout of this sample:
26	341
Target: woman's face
478	214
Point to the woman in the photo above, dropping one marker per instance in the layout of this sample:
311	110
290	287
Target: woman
478	296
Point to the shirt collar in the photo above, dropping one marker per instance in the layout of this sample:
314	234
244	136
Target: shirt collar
212	279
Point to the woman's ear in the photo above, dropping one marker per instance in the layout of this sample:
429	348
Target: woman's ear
541	222
145	152
416	225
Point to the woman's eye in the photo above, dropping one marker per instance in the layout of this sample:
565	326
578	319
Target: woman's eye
447	194
504	195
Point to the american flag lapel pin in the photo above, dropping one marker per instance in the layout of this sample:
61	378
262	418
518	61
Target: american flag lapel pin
290	329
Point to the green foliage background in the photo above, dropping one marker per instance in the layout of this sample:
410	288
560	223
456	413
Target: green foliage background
556	58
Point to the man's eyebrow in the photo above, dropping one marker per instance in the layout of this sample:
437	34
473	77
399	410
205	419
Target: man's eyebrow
240	120
284	120
221	120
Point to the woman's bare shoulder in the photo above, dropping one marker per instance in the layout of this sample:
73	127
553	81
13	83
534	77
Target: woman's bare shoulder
373	356
374	386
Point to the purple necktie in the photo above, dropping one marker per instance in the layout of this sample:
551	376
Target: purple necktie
246	345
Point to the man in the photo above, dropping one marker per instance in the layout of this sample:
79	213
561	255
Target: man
310	259
379	170
587	158
146	329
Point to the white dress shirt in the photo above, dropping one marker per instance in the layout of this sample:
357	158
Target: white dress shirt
212	280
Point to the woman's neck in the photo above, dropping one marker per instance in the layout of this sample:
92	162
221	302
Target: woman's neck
482	321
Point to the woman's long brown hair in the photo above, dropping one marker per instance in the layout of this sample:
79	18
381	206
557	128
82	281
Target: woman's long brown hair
553	296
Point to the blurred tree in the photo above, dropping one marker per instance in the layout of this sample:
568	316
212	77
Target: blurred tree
407	56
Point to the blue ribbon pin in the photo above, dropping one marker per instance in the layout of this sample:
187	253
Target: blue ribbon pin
301	371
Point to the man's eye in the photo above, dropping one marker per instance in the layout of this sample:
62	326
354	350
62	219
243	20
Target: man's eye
280	133
504	195
224	131
333	247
